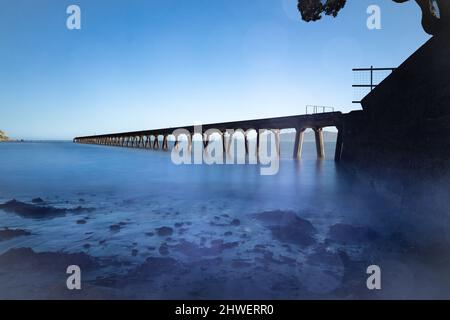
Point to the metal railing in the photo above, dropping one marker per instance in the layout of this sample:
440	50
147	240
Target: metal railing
376	76
318	109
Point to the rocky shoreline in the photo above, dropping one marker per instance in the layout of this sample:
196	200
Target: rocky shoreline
226	262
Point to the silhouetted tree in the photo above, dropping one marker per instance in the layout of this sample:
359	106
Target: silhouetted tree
435	13
311	10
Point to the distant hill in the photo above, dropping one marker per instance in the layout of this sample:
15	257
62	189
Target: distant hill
328	136
3	136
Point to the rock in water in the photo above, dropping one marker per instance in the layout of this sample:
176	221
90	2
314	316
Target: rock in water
348	234
164	231
8	234
31	211
37	200
27	210
288	227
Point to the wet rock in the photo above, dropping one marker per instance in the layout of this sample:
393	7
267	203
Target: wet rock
348	234
27	210
31	211
292	234
235	222
80	209
208	263
232	223
7	234
226	245
193	250
164	250
157	266
164	231
26	258
37	201
81	221
241	263
287	227
322	256
267	258
115	227
288	261
259	248
153	267
134	252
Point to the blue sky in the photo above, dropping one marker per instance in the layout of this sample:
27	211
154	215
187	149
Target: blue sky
142	64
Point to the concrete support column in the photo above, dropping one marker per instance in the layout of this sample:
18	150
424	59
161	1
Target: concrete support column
258	139
176	143
224	143
150	142
189	139
205	142
339	144
165	145
298	146
320	147
230	142
277	140
146	142
246	142
156	142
